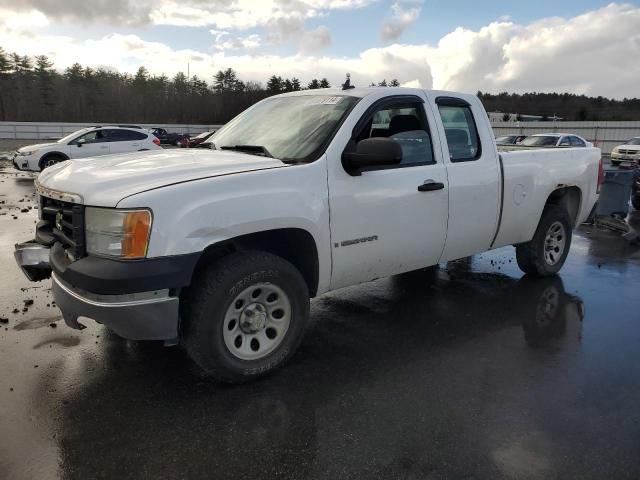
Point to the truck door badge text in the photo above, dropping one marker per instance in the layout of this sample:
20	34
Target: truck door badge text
355	241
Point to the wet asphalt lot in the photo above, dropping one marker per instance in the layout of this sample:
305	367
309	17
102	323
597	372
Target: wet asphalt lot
476	373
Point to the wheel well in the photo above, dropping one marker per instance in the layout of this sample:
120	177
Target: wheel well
569	198
53	154
293	244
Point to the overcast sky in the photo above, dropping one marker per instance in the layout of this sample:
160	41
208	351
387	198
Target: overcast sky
586	46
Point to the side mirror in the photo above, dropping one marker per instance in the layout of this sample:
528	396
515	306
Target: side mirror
372	152
81	142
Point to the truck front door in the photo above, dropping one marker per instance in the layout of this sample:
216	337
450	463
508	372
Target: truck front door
385	221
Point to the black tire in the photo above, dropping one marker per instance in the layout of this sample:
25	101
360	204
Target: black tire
205	306
50	160
531	255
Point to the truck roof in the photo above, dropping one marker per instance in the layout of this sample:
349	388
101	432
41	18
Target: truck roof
365	91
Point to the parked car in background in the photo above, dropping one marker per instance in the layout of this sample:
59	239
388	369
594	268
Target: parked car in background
87	142
510	139
628	153
555	140
167	138
197	140
302	195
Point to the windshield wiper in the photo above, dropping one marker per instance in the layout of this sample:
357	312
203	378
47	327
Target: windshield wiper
250	149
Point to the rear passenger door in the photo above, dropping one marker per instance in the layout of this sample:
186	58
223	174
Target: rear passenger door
124	141
474	174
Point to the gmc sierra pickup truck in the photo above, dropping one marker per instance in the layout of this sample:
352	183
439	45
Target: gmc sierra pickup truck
303	193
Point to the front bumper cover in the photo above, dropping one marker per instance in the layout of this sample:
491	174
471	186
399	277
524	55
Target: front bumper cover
151	314
137	316
33	260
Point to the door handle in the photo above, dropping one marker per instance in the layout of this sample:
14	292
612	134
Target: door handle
430	186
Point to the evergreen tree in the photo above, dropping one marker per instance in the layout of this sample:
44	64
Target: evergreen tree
324	83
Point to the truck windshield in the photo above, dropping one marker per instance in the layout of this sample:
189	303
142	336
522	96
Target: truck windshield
634	141
291	129
540	141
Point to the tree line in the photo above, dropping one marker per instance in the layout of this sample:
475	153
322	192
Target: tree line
31	89
567	106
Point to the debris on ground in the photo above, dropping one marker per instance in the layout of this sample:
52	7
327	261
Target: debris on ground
28	302
4	320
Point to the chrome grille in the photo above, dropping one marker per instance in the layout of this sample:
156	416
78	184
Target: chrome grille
65	223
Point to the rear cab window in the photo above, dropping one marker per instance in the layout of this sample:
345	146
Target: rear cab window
460	129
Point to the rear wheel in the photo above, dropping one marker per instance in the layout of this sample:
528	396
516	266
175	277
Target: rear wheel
50	161
547	251
245	316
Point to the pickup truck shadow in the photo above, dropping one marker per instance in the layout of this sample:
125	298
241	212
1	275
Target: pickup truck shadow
369	384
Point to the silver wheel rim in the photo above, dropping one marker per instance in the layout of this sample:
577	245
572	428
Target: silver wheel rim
49	163
554	243
256	321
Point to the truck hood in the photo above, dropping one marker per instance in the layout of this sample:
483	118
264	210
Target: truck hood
38	146
104	181
635	148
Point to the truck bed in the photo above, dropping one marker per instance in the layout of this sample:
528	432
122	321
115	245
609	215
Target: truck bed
529	177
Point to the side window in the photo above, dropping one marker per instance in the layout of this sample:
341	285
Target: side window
407	125
462	134
564	142
577	142
95	136
125	135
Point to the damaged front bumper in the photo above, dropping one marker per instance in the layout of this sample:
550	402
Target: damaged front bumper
149	315
33	260
136	316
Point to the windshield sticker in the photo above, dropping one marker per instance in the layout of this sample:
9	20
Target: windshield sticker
325	100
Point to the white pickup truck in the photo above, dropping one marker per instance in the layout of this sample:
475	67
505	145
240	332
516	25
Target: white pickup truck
303	193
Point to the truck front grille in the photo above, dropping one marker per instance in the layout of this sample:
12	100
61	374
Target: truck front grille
64	222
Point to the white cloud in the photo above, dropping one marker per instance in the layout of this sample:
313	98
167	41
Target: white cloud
597	53
243	14
249	42
403	17
292	30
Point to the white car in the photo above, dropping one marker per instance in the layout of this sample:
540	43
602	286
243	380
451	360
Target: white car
304	193
87	142
627	153
555	140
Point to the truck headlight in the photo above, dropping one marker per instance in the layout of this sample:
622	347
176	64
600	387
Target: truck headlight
117	233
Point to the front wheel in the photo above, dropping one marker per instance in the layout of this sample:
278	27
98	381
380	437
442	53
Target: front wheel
547	251
245	316
50	161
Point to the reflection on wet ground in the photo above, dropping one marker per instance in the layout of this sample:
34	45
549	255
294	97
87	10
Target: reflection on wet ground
471	371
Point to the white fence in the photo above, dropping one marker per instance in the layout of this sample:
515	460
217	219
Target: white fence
47	131
604	135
